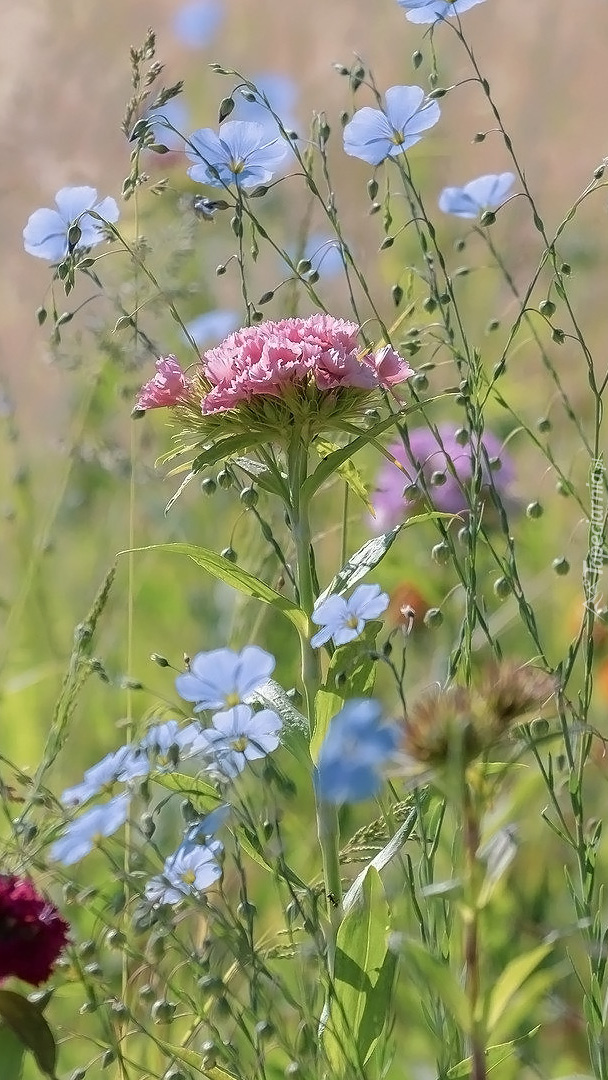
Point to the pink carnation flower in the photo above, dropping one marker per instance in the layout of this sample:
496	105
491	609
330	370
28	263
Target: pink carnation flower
273	357
168	387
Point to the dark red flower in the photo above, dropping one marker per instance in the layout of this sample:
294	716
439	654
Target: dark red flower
32	932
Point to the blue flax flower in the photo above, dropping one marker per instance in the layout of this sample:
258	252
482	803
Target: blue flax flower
202	831
484	193
84	832
281	93
127	763
213	325
357	744
46	233
376	134
196	24
343	620
167	743
429	11
237	736
188	872
222	678
241	153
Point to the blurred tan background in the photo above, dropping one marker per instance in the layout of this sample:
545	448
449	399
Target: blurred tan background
64	79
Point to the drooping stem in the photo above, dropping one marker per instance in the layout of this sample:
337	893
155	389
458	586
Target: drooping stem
471	936
327	817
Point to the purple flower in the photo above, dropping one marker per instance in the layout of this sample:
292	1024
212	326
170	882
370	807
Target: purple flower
445	466
222	678
188	872
344	620
484	193
83	833
357	744
237	736
429	11
196	24
46	233
375	134
241	153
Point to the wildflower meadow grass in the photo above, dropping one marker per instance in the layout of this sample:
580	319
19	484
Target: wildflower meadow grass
314	785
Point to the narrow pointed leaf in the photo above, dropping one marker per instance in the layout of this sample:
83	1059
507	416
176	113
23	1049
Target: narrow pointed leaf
223	570
295	733
495	1055
362	979
382	859
511	980
371	554
27	1022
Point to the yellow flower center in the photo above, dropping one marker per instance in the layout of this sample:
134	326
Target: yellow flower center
232	699
352	622
188	877
237	165
240	743
397	138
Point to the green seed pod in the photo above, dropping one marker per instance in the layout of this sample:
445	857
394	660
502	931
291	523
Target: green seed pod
433	618
225	479
547	308
163	1011
534	510
502	588
208	486
440	553
561	566
158	659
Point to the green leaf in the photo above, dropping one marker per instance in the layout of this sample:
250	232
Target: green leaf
295	732
495	1055
11	1054
372	553
332	462
348	472
440	981
363	979
382	859
202	795
264	477
223	570
356	663
511	980
26	1021
252	848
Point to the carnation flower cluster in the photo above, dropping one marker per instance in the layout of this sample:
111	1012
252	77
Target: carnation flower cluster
314	367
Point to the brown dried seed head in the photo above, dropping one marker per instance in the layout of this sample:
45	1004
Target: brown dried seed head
441	724
512	693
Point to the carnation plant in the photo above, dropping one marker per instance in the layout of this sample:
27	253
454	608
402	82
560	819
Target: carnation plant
317	849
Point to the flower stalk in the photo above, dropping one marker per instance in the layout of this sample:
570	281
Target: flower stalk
471	933
326	813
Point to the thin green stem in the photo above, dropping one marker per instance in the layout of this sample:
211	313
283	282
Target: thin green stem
327	817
